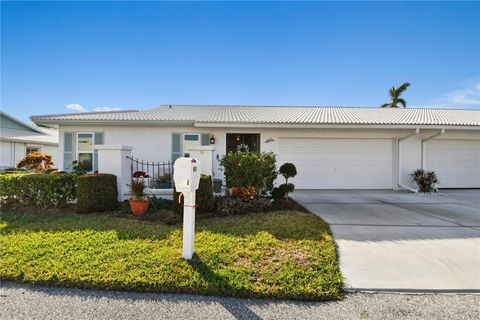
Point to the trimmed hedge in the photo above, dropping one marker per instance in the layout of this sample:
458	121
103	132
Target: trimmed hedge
203	198
97	193
41	190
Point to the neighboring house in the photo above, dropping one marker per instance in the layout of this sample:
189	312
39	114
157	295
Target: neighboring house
18	139
332	147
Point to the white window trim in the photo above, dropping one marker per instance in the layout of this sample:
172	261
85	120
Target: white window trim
93	146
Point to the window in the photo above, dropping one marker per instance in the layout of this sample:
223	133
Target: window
181	143
85	150
31	149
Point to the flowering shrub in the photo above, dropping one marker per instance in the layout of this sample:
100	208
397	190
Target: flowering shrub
247	169
36	161
244	193
140	174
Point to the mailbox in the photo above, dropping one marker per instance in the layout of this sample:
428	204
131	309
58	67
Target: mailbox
186	174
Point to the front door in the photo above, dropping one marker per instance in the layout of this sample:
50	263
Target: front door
243	142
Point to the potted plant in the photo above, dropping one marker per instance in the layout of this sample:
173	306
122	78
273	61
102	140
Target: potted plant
138	201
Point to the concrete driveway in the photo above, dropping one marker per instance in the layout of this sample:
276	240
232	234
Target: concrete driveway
394	240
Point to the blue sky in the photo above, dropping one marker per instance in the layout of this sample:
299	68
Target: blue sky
104	55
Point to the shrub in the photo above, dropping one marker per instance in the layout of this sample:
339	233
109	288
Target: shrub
158	203
79	168
282	191
425	180
37	161
226	205
288	170
41	190
246	169
97	192
203	197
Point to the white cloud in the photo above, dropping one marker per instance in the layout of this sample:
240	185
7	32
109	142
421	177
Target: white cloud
75	107
107	109
468	96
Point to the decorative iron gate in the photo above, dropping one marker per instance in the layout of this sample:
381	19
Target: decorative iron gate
157	175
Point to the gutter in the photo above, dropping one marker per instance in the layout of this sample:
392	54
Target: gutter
427	139
399	162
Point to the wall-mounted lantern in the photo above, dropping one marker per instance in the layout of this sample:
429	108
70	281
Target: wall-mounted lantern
212	140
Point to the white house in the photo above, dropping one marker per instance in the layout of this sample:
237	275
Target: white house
18	139
332	147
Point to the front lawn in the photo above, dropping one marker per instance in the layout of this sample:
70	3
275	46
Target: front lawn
274	255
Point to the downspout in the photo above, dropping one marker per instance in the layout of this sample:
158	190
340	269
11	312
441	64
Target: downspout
399	162
423	145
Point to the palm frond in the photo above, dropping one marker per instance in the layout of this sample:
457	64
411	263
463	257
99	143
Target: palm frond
385	105
402	102
403	87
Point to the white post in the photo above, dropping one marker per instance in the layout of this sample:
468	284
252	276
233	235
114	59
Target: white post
188	225
186	173
113	159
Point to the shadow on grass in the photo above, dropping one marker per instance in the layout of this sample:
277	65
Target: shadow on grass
239	311
288	225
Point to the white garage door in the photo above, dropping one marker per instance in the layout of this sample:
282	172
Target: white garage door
6	153
456	162
339	163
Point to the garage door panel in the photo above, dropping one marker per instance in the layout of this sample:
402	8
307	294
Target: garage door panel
456	162
339	163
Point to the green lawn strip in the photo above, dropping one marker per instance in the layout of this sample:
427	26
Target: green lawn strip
273	255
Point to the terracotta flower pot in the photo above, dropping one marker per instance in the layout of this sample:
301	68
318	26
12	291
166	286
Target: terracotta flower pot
139	207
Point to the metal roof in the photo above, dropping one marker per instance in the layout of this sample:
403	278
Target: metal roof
273	115
49	137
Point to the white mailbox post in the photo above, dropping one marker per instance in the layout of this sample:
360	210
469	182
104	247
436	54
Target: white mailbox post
186	174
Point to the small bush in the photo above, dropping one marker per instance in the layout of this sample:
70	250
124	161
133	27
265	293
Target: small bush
97	193
159	203
36	161
282	191
226	205
288	170
425	180
246	169
79	168
41	190
203	197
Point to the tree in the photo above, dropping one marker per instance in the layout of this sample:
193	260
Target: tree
395	94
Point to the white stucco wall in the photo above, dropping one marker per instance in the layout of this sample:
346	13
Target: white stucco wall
13	152
154	143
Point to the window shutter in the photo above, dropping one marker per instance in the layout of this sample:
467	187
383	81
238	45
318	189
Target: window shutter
205	140
176	146
97	140
68	144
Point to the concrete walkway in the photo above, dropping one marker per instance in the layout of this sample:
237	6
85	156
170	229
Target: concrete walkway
393	240
35	302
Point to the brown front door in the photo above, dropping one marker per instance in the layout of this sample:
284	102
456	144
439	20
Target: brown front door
243	142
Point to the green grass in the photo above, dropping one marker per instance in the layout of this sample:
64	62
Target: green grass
272	255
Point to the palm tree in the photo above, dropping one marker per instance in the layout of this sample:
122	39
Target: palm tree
395	94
